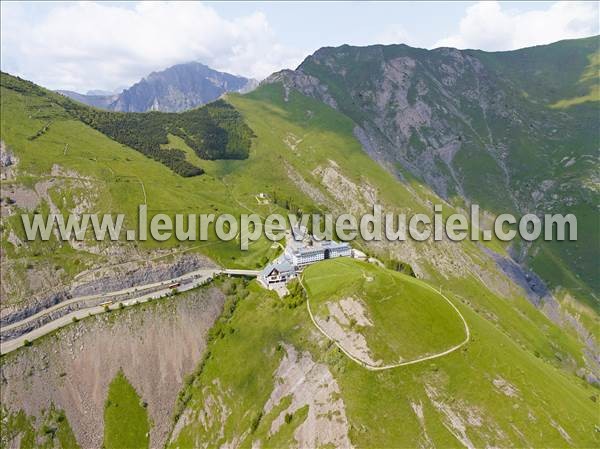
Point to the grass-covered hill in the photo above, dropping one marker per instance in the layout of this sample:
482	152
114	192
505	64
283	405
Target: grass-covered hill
381	317
271	380
524	379
59	163
511	131
215	131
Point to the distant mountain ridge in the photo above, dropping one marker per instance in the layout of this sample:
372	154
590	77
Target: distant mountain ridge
175	89
97	101
528	375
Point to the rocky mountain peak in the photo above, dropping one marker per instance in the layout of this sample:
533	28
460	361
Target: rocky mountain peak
175	89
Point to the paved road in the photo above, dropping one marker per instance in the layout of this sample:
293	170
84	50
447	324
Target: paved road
187	281
236	272
107	296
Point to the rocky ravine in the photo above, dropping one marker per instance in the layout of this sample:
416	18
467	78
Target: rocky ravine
155	345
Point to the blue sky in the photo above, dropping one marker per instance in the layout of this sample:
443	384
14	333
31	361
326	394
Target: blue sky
318	24
84	46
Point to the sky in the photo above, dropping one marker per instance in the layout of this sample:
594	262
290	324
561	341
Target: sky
110	45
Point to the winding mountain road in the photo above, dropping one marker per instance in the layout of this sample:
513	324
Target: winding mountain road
143	293
155	290
106	296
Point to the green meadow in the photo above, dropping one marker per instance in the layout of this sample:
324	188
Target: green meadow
126	423
408	319
468	386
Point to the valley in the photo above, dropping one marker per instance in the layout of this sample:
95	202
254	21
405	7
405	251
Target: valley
466	344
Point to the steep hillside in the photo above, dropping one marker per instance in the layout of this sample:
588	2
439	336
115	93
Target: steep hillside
297	389
147	350
175	89
527	377
215	131
512	131
53	161
304	154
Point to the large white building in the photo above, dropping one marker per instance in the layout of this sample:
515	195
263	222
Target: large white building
318	250
301	250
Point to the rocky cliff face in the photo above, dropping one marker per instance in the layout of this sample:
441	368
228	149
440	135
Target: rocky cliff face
181	87
155	345
434	111
178	88
477	127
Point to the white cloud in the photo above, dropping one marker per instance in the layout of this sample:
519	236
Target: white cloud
492	26
93	45
89	45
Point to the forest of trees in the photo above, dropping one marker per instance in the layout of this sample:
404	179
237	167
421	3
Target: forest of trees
214	131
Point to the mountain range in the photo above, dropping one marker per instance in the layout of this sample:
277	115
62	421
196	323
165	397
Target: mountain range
175	89
431	344
495	129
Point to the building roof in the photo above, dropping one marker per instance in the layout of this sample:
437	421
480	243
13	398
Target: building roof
282	267
318	247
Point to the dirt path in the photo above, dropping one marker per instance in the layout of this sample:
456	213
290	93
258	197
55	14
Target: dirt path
394	365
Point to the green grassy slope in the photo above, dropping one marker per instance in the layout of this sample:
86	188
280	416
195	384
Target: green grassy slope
550	73
501	393
214	131
327	135
558	86
408	319
512	131
120	176
126	423
116	180
119	179
50	430
512	385
513	343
